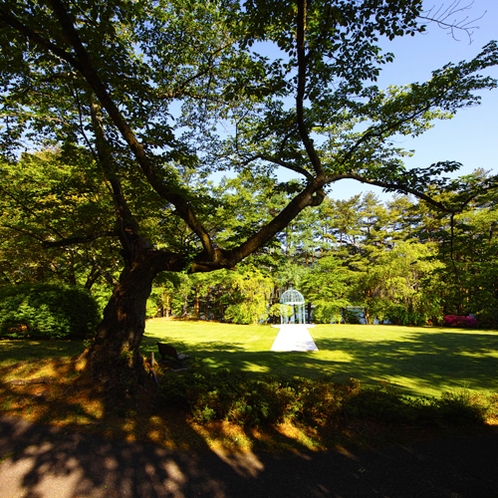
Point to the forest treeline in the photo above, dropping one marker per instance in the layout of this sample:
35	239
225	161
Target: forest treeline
400	260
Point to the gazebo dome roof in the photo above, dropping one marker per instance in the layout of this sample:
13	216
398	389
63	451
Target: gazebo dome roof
292	297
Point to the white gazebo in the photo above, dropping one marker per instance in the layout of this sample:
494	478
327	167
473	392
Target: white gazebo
292	308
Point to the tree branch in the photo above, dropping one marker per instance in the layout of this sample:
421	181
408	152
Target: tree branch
301	88
180	89
23	232
85	66
31	212
311	195
379	130
71	241
443	17
279	162
11	20
399	186
128	226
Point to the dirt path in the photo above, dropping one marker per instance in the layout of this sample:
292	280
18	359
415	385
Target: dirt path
39	462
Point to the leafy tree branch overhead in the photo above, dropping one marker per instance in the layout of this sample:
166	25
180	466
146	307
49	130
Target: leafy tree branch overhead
160	95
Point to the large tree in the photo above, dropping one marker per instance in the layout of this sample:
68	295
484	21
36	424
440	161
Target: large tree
165	93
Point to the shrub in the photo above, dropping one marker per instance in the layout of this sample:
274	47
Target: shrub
381	404
246	313
278	310
226	395
399	315
327	312
237	397
352	316
388	405
47	311
461	407
459	321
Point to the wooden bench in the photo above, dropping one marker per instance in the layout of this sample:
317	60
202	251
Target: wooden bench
169	355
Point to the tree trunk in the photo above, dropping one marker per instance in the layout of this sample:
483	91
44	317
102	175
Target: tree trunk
207	314
167	306
185	306
114	356
196	302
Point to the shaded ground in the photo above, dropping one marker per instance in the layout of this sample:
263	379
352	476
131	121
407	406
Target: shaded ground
39	461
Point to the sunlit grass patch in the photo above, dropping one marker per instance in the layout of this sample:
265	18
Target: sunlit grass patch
302	436
222	434
421	361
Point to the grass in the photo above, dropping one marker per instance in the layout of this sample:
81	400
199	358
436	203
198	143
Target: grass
419	361
416	361
14	351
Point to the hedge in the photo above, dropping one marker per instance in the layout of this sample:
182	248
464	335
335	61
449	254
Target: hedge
47	311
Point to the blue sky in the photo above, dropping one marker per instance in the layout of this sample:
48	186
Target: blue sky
471	137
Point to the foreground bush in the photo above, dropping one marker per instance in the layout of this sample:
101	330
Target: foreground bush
390	406
237	397
47	311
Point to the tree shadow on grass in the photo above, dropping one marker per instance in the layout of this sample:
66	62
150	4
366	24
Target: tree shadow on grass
80	443
38	459
44	462
431	361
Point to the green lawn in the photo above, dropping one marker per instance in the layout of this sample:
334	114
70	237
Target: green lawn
418	360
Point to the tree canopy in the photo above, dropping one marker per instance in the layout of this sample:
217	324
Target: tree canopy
160	95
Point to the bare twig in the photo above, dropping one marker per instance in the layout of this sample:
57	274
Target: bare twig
447	18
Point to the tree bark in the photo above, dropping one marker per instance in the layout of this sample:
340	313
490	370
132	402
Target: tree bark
114	357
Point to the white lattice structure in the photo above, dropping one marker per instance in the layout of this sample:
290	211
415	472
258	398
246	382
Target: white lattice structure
292	308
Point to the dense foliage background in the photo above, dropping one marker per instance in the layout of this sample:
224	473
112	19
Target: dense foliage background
47	311
399	259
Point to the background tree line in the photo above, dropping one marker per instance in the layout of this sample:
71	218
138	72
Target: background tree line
401	260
